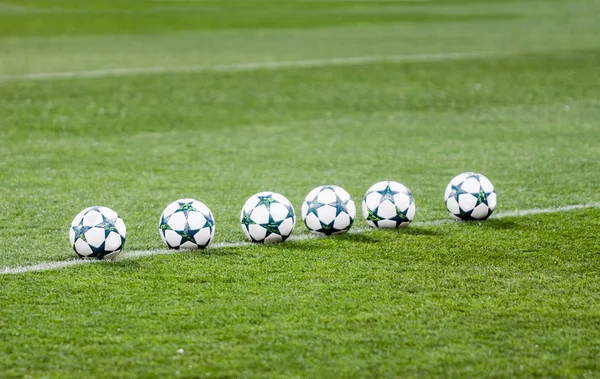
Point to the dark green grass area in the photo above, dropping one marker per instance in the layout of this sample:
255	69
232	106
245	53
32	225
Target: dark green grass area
511	297
241	4
178	20
109	17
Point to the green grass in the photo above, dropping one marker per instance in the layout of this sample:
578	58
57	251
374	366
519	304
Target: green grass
508	297
110	17
440	301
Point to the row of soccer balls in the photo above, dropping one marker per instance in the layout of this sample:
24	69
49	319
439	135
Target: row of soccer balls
266	217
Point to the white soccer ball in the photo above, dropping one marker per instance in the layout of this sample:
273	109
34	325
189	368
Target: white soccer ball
187	224
267	217
470	196
97	232
388	205
328	210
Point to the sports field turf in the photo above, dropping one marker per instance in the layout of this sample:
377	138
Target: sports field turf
134	104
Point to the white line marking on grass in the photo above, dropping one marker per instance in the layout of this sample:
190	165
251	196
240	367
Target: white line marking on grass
241	67
537	211
302	237
11	8
45	266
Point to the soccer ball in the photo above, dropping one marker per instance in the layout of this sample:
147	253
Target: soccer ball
328	210
267	217
97	232
186	224
470	196
388	205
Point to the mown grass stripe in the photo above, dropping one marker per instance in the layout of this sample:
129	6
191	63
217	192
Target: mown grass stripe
251	66
45	266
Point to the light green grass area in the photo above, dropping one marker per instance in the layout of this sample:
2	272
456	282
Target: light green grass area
508	297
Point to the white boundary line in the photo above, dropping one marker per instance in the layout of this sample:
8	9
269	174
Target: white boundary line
302	237
241	67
